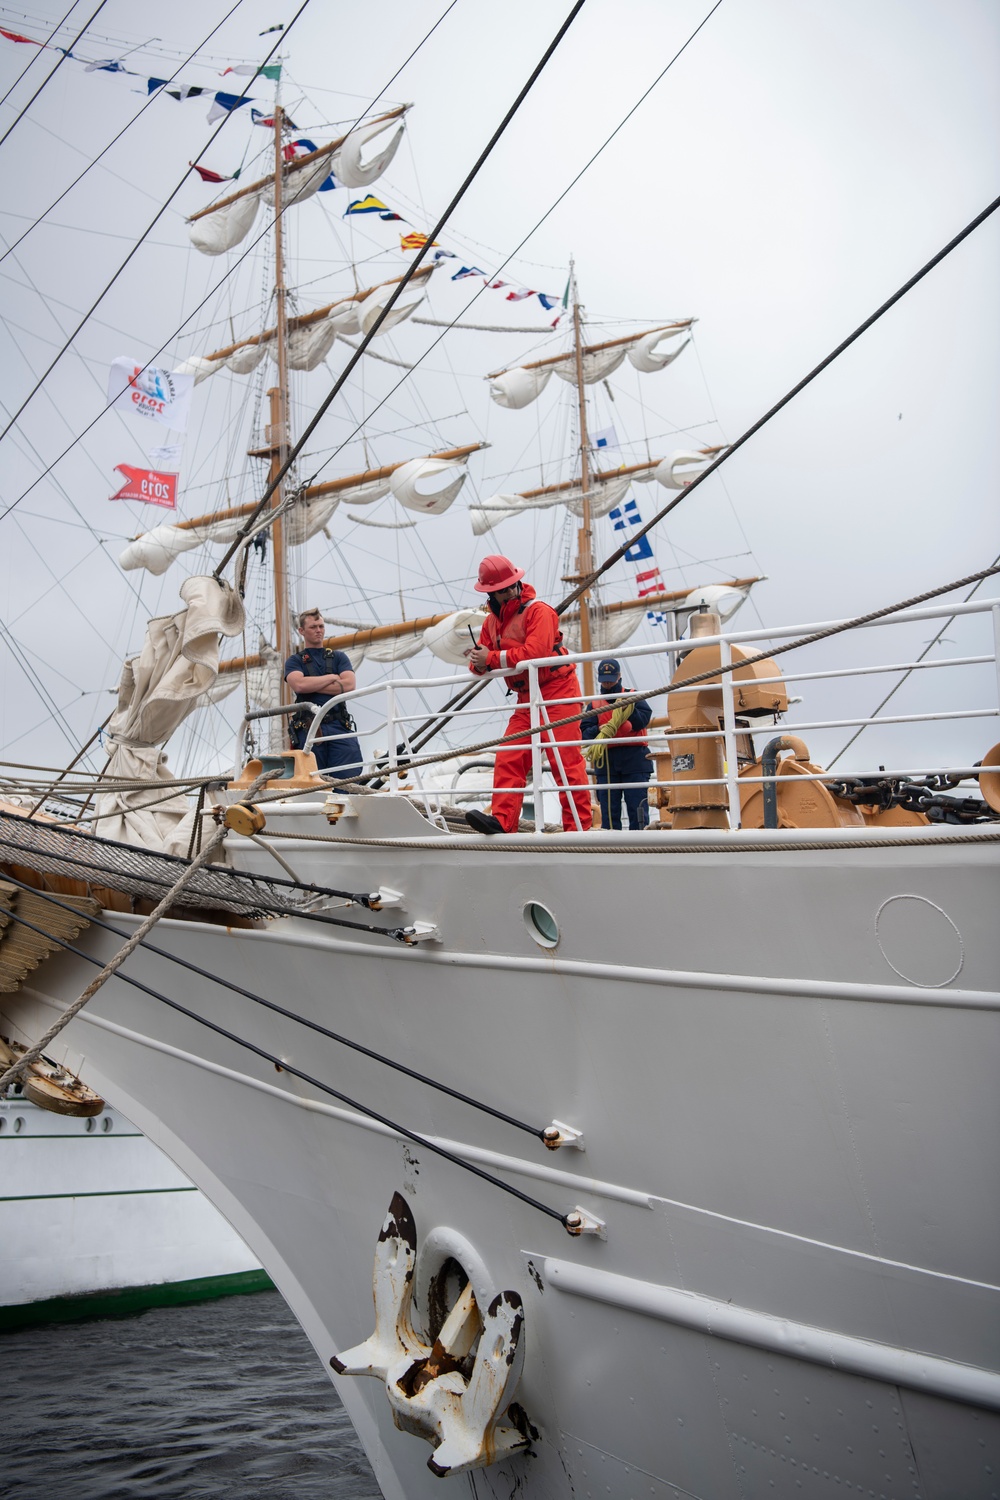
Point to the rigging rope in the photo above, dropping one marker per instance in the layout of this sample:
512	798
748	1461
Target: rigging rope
113	965
566	1220
36	55
634	536
401	286
291	1015
134	251
905	677
66	51
232	268
103	152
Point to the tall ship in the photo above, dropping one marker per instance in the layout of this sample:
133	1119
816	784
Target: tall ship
593	1160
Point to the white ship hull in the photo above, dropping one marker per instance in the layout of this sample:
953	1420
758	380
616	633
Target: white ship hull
792	1146
94	1218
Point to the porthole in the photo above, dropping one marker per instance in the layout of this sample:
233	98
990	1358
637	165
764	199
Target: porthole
3	1122
106	1123
91	1124
18	1124
541	924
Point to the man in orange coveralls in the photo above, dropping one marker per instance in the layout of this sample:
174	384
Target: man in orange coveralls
520	627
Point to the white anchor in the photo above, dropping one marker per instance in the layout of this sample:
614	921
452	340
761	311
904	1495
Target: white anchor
429	1391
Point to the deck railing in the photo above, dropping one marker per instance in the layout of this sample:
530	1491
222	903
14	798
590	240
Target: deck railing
400	775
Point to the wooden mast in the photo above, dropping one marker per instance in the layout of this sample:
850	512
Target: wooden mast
585	549
278	435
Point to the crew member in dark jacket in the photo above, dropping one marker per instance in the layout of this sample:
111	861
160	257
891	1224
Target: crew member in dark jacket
315	675
618	755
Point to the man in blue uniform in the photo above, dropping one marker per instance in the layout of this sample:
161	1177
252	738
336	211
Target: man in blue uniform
315	675
619	752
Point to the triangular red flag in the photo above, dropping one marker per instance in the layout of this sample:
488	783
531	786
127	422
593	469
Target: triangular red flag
207	175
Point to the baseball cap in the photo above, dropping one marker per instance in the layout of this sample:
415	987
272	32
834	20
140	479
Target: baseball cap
608	670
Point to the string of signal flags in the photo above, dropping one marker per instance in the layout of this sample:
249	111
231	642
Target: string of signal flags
220	103
416	241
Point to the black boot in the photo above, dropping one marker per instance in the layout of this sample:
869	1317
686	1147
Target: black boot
483	822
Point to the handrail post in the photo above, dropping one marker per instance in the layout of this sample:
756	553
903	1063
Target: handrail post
534	710
995	611
390	727
729	735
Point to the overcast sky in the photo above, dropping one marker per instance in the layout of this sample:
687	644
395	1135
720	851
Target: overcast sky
793	168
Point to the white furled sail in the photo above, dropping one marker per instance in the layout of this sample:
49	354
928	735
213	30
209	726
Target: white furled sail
214	231
603	492
348	165
677	471
219	231
595	365
155	550
241	361
520	386
310	336
308	513
450	640
405	484
643	353
607	631
178	664
371	308
298	185
395	648
310	343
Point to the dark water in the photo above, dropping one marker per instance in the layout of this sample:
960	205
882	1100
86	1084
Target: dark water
218	1399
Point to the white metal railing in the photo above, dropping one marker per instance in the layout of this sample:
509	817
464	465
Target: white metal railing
400	775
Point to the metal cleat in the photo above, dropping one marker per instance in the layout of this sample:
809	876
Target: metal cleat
557	1134
444	1392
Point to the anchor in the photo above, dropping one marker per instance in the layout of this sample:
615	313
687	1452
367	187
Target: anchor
443	1392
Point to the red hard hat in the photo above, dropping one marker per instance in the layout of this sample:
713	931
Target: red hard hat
496	573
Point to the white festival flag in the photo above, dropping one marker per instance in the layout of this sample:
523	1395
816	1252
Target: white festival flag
162	395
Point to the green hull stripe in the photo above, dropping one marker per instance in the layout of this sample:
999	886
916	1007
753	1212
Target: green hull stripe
111	1193
122	1303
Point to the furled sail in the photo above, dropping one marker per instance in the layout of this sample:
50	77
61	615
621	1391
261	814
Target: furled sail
521	384
603	492
448	636
410	481
216	229
677	471
177	666
613	625
310	336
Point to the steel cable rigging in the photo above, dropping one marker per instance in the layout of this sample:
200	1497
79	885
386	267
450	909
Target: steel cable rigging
569	1221
103	152
35	56
133	252
232	269
292	1015
49	76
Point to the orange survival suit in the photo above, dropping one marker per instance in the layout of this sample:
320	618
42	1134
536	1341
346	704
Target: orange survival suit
523	629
